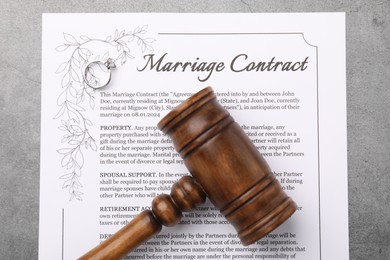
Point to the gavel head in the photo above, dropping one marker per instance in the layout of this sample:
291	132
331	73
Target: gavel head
226	164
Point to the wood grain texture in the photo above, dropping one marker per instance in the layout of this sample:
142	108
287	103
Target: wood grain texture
186	195
140	229
231	171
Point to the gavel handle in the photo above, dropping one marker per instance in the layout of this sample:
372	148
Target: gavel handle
140	229
186	195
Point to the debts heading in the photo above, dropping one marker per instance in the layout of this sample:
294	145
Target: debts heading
239	63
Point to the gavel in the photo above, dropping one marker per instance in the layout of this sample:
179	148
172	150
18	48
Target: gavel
226	168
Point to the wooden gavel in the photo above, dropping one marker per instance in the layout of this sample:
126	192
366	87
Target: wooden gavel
226	167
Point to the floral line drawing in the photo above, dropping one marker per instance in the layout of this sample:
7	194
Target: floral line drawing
76	93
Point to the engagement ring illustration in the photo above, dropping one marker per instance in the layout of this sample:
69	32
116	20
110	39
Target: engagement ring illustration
97	73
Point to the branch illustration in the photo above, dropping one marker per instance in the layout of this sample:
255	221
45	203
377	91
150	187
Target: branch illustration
76	93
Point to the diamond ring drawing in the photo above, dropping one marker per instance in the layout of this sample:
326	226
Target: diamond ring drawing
97	73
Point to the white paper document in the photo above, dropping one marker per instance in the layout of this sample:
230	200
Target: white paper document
103	160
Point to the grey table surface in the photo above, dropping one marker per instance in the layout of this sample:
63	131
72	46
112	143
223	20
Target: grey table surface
368	95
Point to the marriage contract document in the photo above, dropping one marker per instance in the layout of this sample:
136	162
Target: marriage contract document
103	160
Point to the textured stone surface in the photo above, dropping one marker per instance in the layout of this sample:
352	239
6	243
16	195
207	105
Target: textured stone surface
368	94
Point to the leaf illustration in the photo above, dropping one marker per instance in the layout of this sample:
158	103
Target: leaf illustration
70	39
60	112
67	176
62	48
131	38
92	102
85	53
88	122
74	142
75	106
72	91
121	56
76	129
62	67
67	183
74	75
93	145
70	165
73	116
66	159
78	183
78	197
64	150
84	38
137	30
78	192
76	63
77	171
65	79
105	56
123	61
129	55
149	47
144	29
121	42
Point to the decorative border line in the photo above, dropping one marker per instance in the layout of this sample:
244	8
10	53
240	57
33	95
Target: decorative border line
63	234
318	157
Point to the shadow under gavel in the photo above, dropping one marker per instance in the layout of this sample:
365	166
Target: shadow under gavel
226	167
